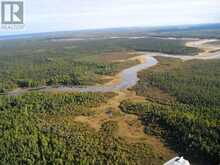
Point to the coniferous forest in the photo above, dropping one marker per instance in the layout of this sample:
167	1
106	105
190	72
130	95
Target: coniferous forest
35	130
184	108
174	109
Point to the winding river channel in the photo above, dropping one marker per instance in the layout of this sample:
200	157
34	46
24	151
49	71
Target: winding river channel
129	77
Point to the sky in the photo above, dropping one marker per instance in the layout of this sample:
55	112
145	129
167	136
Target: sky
62	15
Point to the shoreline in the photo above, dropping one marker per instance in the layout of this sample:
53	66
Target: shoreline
127	78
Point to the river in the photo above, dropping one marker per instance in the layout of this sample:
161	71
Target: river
129	77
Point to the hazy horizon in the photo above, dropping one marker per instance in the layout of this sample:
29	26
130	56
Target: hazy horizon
57	15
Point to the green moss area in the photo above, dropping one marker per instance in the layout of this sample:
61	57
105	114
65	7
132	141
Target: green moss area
32	131
38	62
182	106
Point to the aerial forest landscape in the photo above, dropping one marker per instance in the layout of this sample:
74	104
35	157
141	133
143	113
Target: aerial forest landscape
111	96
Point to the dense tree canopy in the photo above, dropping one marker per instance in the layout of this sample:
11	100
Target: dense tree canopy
183	105
30	135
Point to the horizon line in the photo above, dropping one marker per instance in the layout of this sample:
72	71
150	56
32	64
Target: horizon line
110	28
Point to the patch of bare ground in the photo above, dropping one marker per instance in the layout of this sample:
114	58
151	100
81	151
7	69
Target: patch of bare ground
129	126
117	56
126	60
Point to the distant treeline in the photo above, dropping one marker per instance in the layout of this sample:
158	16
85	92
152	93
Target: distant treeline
198	33
38	62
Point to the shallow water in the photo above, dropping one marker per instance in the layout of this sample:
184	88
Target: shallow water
128	78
